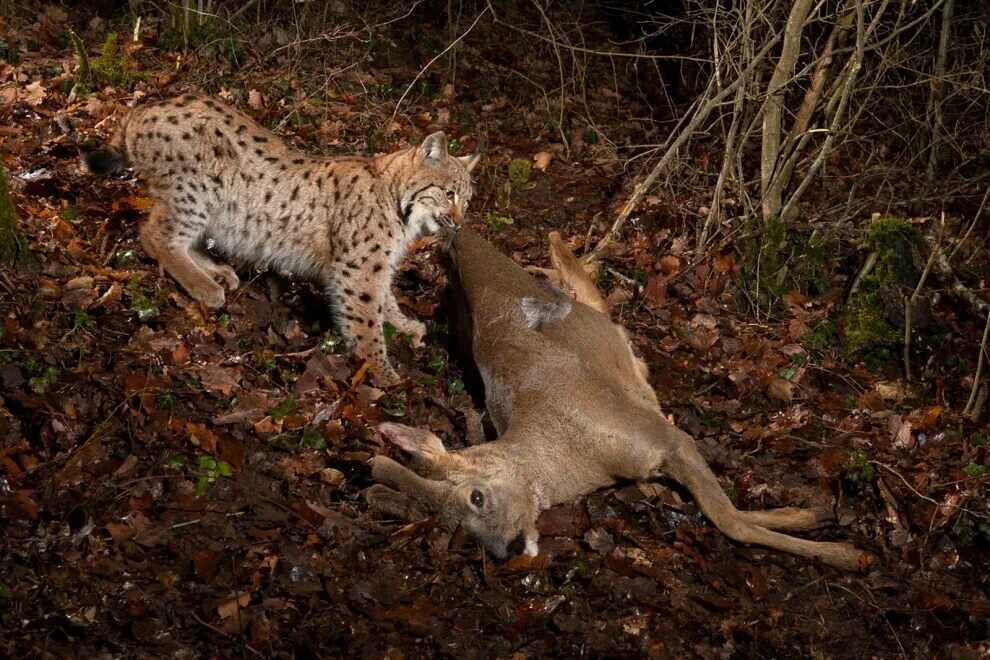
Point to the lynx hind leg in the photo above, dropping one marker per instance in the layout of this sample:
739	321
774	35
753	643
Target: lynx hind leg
359	302
170	239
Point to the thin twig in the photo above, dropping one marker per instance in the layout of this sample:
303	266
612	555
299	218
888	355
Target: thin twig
909	302
979	367
700	114
402	98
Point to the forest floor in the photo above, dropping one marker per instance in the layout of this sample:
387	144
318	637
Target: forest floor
180	482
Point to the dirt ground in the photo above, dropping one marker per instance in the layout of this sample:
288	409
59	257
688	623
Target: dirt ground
176	482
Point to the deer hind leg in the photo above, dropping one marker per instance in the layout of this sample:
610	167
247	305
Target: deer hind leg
790	518
687	466
170	238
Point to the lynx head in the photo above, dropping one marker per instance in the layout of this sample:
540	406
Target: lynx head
437	189
478	489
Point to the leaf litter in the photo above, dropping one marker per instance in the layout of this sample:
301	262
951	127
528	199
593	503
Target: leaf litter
171	479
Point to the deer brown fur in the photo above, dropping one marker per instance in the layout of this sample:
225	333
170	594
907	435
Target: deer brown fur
574	413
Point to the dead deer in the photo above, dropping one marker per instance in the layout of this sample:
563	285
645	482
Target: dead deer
574	413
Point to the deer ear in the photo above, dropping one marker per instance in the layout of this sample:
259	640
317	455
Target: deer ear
469	161
418	442
433	151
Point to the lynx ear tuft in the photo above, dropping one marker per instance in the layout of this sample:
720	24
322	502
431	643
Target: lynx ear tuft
433	151
469	161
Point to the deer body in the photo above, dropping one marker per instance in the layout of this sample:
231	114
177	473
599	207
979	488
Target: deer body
574	413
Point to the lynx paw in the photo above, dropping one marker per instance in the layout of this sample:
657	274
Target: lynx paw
227	275
415	330
210	294
385	376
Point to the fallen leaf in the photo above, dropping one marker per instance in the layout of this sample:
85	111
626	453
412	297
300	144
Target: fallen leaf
231	606
34	94
254	99
220	379
781	389
542	160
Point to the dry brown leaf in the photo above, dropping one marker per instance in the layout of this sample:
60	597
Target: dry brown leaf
230	607
255	101
781	389
220	379
34	94
542	160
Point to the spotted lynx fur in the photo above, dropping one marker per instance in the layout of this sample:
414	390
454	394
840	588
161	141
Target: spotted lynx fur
218	176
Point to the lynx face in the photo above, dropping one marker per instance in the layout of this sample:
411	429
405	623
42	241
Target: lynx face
218	176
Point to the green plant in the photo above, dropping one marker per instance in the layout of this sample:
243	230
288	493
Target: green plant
388	331
8	54
978	439
761	272
85	76
822	336
12	243
69	213
497	222
82	319
175	462
455	386
39	384
975	470
436	364
865	319
286	408
859	469
210	470
312	439
166	401
519	172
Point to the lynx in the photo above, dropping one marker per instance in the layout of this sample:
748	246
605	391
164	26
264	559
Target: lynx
218	177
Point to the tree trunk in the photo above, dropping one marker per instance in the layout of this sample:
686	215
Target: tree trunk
773	114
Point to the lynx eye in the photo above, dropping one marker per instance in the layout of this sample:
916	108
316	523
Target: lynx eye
451	195
477	499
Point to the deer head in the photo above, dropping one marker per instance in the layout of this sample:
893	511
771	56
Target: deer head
485	492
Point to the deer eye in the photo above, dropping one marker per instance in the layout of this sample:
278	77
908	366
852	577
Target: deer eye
477	499
450	197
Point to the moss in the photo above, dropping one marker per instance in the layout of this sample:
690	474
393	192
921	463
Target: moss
8	54
821	337
873	316
12	243
865	324
519	171
896	242
808	272
761	273
113	67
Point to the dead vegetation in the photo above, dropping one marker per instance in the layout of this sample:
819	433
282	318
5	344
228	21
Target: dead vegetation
762	186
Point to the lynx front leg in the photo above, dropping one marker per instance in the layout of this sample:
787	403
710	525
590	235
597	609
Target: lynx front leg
407	326
220	272
359	301
170	238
